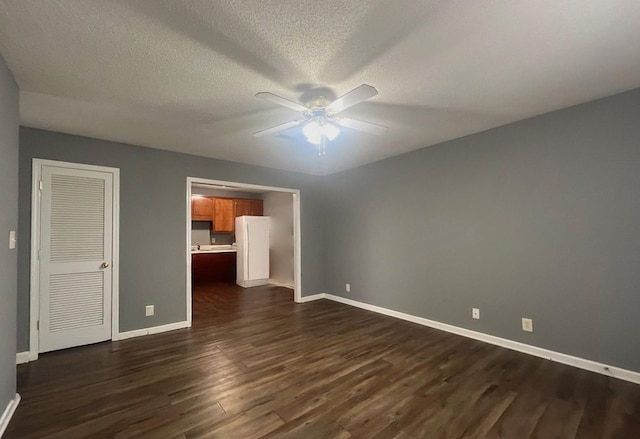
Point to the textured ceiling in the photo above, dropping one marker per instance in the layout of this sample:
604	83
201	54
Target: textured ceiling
181	75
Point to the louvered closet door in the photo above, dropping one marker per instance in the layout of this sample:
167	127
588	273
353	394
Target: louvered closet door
75	257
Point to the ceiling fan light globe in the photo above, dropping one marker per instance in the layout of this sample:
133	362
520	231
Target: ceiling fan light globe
312	129
330	131
315	140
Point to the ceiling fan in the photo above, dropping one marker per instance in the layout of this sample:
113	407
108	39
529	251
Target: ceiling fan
321	119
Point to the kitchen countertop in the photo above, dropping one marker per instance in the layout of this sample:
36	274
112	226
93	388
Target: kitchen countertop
215	249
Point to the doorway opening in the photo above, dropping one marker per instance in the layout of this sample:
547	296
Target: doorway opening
213	207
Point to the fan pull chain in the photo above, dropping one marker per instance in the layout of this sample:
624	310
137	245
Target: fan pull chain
322	150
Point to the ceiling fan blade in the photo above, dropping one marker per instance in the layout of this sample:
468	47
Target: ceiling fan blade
368	127
278	128
355	96
281	101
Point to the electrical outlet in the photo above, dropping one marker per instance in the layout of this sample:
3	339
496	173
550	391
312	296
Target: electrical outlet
149	310
347	287
475	313
527	325
12	239
213	240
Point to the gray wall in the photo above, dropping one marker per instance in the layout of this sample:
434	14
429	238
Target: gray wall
539	219
153	220
9	120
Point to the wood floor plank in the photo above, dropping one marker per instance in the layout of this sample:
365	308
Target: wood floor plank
257	365
560	419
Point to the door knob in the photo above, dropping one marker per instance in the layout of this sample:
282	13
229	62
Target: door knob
104	265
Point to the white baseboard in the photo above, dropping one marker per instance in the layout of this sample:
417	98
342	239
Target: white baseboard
152	330
281	284
8	413
312	298
593	366
252	283
25	357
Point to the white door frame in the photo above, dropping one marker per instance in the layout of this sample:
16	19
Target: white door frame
34	290
297	271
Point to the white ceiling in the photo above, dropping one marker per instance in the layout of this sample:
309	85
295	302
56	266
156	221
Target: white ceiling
181	75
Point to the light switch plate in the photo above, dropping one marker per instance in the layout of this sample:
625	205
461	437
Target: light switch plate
12	239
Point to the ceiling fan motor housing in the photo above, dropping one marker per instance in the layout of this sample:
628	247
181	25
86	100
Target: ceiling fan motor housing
317	108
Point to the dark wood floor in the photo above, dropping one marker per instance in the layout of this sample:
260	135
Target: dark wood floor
257	365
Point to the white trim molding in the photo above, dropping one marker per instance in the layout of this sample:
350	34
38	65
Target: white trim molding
8	413
152	330
281	284
312	298
26	357
582	363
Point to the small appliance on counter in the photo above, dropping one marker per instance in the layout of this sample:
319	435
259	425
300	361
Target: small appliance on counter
252	238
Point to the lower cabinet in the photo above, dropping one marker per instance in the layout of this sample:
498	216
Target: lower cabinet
213	267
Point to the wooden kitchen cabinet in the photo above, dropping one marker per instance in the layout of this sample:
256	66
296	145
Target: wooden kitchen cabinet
248	207
257	207
223	218
241	207
213	267
222	212
201	208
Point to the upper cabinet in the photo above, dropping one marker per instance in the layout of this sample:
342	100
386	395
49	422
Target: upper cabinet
241	207
201	208
248	207
223	211
257	208
223	219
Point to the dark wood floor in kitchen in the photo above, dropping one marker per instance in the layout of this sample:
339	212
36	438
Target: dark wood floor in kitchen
255	365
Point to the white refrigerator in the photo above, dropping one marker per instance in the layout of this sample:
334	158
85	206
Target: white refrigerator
252	238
